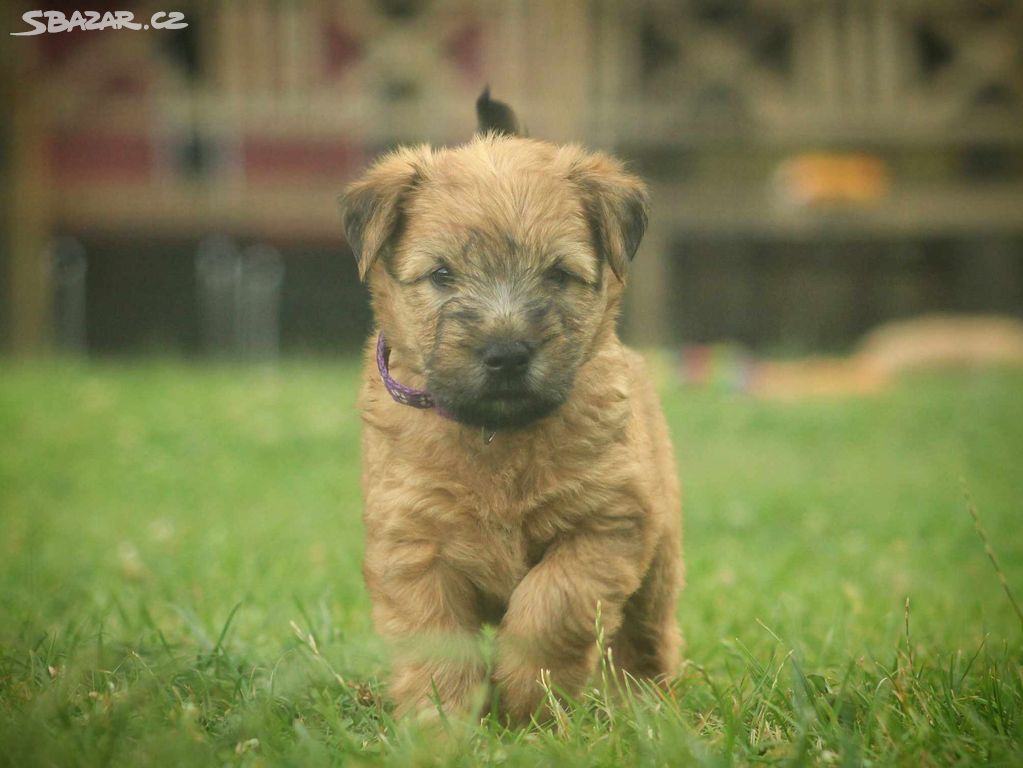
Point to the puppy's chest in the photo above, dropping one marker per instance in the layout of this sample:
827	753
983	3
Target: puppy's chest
499	545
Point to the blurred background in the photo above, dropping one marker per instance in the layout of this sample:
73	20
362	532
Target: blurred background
818	167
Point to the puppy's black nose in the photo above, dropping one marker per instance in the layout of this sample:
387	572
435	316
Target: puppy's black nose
506	357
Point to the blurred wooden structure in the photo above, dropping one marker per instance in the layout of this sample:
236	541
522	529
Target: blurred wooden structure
251	119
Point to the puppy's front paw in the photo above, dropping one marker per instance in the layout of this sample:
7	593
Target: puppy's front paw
518	693
424	690
526	687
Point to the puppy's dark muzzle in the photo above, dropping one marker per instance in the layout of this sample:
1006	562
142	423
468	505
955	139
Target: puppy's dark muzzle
507	359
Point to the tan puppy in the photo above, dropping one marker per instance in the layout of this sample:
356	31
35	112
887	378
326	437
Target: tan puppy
516	466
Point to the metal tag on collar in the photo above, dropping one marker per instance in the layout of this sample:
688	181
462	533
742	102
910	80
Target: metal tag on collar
488	435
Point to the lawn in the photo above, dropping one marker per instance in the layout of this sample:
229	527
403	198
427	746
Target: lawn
180	584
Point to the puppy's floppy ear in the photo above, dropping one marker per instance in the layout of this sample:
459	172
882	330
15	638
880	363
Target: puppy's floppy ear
371	208
494	116
616	204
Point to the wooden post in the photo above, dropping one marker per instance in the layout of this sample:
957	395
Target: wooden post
26	204
559	66
645	319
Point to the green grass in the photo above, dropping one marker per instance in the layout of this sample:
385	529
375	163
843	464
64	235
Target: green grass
180	585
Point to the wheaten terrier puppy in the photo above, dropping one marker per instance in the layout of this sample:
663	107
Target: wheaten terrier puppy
516	465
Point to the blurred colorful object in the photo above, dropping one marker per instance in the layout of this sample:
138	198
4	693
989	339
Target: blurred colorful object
717	366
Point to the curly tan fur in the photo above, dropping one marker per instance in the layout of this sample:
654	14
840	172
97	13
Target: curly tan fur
575	502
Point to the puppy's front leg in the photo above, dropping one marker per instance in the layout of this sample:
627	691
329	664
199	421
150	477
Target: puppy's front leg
428	611
550	623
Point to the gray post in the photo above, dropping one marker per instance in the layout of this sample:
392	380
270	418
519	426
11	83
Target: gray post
259	308
68	267
218	270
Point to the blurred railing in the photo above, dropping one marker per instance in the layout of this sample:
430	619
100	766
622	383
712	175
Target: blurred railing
285	101
882	71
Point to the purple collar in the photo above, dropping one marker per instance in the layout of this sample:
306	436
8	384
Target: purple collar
417	398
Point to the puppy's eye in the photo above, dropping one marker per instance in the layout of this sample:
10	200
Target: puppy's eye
442	277
559	276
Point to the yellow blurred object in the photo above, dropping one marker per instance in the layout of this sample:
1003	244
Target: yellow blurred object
817	377
827	178
944	341
927	343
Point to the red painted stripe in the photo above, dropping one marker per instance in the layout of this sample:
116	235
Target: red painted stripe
266	158
95	155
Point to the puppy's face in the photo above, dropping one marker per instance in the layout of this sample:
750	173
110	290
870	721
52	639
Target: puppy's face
495	266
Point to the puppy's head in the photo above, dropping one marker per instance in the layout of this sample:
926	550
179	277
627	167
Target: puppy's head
496	267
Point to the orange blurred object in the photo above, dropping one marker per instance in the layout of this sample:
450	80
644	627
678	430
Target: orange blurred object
822	178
